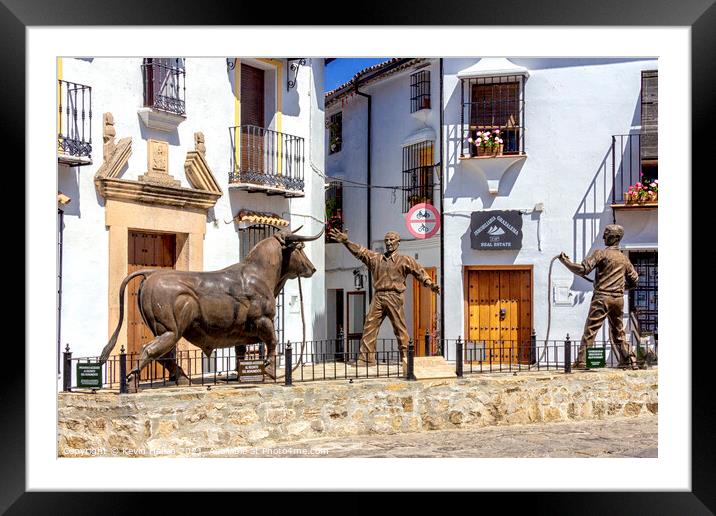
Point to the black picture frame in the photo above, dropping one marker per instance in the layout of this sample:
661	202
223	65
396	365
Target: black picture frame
700	15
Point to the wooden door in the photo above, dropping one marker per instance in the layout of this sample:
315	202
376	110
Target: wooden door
424	314
356	319
499	315
146	251
252	120
339	348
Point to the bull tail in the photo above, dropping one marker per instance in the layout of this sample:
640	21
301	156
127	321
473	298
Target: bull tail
113	340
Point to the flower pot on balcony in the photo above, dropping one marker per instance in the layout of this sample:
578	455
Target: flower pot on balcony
495	150
653	197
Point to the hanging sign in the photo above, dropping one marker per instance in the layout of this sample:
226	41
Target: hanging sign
251	371
496	230
596	357
423	220
89	376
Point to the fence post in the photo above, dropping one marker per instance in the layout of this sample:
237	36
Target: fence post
533	347
427	343
458	357
122	371
67	369
289	364
340	345
410	374
567	355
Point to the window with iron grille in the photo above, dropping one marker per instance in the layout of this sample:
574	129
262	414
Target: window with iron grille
644	298
334	208
418	169
420	91
164	84
249	237
335	133
493	103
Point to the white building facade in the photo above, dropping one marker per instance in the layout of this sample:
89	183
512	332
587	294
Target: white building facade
182	163
576	134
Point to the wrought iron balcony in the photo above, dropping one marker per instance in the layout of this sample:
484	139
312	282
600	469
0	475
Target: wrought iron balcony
74	123
165	84
635	159
266	161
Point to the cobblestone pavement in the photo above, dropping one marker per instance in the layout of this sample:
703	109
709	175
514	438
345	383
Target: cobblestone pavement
632	437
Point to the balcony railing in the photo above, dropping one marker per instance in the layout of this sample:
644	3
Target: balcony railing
266	160
74	123
165	84
634	159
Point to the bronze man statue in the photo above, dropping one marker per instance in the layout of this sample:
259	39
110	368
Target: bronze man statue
389	271
614	273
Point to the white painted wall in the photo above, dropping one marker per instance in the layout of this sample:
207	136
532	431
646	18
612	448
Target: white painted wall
572	108
117	88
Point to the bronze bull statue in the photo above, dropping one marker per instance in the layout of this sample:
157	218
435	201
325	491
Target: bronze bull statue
216	309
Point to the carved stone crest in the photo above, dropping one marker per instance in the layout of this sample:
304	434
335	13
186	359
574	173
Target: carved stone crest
158	164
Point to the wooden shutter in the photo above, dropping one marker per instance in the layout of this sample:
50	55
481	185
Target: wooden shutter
252	120
649	114
252	96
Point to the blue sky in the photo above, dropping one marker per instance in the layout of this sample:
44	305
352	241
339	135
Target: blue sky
343	69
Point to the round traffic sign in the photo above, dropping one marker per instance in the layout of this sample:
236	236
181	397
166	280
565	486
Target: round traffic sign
423	220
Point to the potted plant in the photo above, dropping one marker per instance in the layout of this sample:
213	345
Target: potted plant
487	143
643	192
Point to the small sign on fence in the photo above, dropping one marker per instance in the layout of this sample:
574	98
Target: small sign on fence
596	357
89	376
251	371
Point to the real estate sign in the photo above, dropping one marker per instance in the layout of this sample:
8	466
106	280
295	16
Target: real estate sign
493	230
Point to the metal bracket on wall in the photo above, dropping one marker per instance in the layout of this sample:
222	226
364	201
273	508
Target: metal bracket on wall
293	64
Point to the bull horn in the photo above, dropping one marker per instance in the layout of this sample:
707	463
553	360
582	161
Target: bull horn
296	230
298	238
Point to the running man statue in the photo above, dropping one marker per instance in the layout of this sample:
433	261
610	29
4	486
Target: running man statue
389	271
614	273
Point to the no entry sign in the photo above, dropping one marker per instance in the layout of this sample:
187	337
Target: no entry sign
423	220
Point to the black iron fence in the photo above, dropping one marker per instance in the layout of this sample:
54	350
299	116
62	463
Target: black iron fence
74	121
266	158
335	359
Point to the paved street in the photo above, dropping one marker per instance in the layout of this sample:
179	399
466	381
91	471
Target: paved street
632	437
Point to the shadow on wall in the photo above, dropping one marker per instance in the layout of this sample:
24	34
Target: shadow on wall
592	215
172	138
564	62
68	183
290	97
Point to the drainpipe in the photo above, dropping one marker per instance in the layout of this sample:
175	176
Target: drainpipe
369	190
442	210
61	214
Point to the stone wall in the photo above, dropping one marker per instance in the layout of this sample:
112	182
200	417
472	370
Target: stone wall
197	421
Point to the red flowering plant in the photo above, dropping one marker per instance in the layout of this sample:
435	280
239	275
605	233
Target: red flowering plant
646	190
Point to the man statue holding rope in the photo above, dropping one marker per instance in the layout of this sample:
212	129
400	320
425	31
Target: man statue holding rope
389	271
614	273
